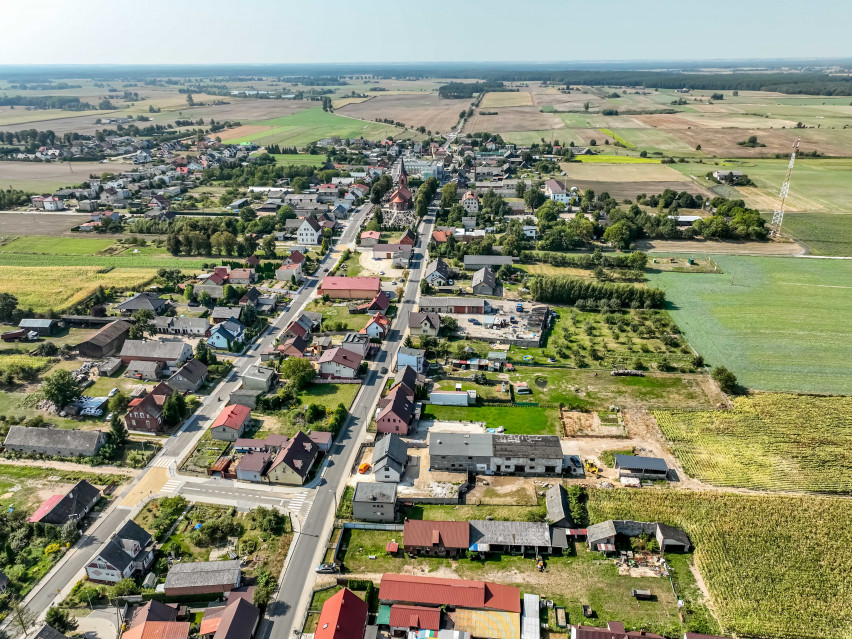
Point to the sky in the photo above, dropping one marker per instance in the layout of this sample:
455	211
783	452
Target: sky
304	31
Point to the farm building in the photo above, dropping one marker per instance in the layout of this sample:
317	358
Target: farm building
457	305
558	511
390	455
602	536
202	577
143	302
436	538
374	501
641	467
453	398
54	442
151	350
514	537
495	454
44	327
147	371
364	288
484	282
106	341
370	238
476	262
388	251
435	592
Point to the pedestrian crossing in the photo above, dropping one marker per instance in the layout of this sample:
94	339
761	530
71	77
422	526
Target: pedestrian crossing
162	462
171	486
296	503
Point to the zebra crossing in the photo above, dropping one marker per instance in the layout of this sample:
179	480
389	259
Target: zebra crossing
162	462
295	504
171	486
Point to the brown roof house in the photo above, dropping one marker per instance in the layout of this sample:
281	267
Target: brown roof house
424	324
395	411
72	506
146	413
238	619
436	538
107	341
294	461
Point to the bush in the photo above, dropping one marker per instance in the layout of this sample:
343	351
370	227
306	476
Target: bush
726	380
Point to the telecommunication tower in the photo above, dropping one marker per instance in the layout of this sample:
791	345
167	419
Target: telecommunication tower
778	216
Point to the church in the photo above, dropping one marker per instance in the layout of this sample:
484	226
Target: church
400	199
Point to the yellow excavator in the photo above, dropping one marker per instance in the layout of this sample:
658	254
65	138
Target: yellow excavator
591	467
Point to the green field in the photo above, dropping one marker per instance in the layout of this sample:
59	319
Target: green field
775	566
516	419
782	442
824	233
308	126
299	159
123	260
55	245
778	323
655	140
615	159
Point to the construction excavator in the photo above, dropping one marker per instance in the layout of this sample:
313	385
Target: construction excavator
591	467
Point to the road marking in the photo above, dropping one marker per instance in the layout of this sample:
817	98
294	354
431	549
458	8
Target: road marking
171	486
162	462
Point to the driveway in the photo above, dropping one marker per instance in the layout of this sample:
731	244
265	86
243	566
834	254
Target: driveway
100	624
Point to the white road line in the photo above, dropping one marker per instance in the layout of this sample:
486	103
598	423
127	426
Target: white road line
162	462
170	486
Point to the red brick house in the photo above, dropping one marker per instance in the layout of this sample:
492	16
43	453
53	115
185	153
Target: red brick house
146	413
408	238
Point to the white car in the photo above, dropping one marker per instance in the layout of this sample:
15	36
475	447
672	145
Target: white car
381	272
112	392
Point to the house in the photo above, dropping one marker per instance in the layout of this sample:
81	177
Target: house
390	455
365	288
252	466
293	347
224	313
238	619
304	325
727	176
231	423
374	502
387	251
203	577
129	552
409	238
484	282
241	276
228	335
146	371
74	505
49	632
418	620
613	630
152	350
408	378
193	326
470	202
189	377
453	305
476	262
424	324
286	272
381	302
260	378
414	357
395	411
322	439
153	610
469	223
496	454
441	237
378	327
437	273
436	538
309	232
48	203
146	413
370	238
558	509
143	301
339	363
343	616
294	461
555	190
436	592
158	629
602	536
266	303
44	327
54	442
641	467
301	200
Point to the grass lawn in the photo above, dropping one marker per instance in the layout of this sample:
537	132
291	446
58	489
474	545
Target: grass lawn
615	159
339	313
55	245
330	395
299	159
523	420
778	323
353	265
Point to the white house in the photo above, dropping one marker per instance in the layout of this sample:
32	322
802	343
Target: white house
555	190
339	362
414	357
286	272
470	202
310	232
129	552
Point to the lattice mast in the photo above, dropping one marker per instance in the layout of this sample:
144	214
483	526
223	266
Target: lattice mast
778	216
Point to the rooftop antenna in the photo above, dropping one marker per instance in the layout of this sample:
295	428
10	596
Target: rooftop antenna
778	216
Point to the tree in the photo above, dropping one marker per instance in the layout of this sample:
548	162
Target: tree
142	325
171	410
449	322
60	620
125	587
118	402
269	246
726	380
60	388
408	342
520	188
299	371
117	429
190	101
20	616
189	292
620	235
247	214
204	299
8	304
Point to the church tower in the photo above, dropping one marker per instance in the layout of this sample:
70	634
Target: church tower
403	175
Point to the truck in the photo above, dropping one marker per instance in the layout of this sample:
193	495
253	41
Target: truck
519	307
19	335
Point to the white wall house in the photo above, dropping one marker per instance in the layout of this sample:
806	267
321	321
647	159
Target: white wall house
309	233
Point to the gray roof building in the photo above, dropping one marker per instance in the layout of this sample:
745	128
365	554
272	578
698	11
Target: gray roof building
478	261
49	632
375	492
54	441
143	301
558	509
484	277
203	574
390	455
634	465
152	349
510	533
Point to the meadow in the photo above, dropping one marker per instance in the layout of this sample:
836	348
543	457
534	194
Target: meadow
299	159
824	233
775	566
41	244
782	442
310	125
778	323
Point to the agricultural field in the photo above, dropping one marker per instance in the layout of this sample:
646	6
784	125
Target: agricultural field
824	233
39	177
42	288
505	99
412	109
778	323
55	245
299	159
787	580
781	442
304	127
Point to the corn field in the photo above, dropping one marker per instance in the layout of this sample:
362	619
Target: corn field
775	565
767	442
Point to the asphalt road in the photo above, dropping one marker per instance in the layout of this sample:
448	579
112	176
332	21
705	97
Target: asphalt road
284	613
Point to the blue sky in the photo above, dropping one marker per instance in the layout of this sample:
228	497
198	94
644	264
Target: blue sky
282	31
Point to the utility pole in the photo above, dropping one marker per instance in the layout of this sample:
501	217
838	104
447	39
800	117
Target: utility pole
778	216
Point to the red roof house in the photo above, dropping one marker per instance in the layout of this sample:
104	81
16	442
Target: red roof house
418	617
365	288
462	593
343	616
231	422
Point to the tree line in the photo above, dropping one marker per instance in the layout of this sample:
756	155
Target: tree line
61	102
569	290
460	90
637	260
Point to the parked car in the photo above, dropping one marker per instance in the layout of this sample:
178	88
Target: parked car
327	569
112	392
383	371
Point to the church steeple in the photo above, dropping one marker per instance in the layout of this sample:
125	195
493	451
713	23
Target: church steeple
403	174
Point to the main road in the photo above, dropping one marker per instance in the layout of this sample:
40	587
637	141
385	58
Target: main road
287	610
161	476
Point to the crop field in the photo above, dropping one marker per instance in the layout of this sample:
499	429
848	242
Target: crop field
43	288
824	233
299	159
55	245
48	176
775	566
630	171
506	99
778	323
781	442
615	159
414	110
655	140
514	119
304	127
